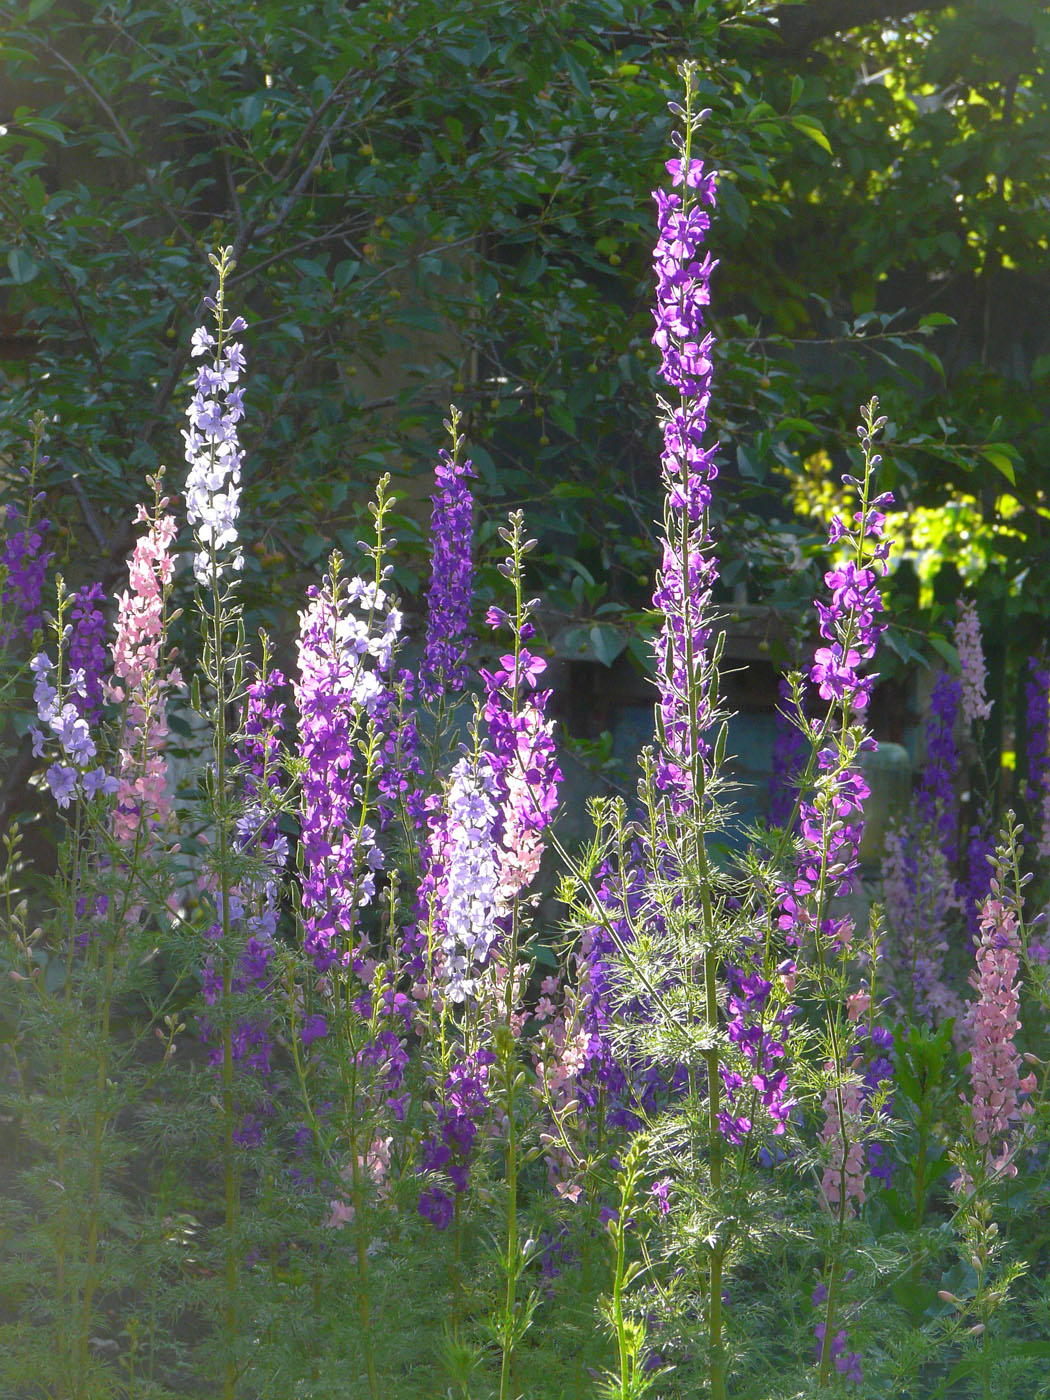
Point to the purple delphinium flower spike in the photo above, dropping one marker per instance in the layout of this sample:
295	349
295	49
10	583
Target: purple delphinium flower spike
935	800
346	643
87	651
688	570
832	819
444	670
26	562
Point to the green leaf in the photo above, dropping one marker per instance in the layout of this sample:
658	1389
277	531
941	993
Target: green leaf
39	7
814	130
1001	455
944	648
937	318
22	266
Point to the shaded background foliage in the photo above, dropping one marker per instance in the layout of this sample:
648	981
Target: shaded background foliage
451	201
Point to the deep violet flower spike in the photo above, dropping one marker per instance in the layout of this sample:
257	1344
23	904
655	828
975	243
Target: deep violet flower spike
444	670
686	673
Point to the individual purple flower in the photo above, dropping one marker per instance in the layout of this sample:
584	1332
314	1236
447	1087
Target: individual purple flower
444	669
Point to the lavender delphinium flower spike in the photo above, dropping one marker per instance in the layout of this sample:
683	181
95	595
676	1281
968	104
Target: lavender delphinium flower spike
213	487
975	705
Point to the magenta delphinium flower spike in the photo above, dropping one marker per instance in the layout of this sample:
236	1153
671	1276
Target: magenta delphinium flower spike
688	570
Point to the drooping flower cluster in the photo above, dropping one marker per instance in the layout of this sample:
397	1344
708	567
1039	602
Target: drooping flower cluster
142	677
213	487
996	1102
347	637
25	562
444	668
688	569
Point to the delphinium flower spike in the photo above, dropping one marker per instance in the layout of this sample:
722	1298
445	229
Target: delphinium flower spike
444	670
23	559
213	452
